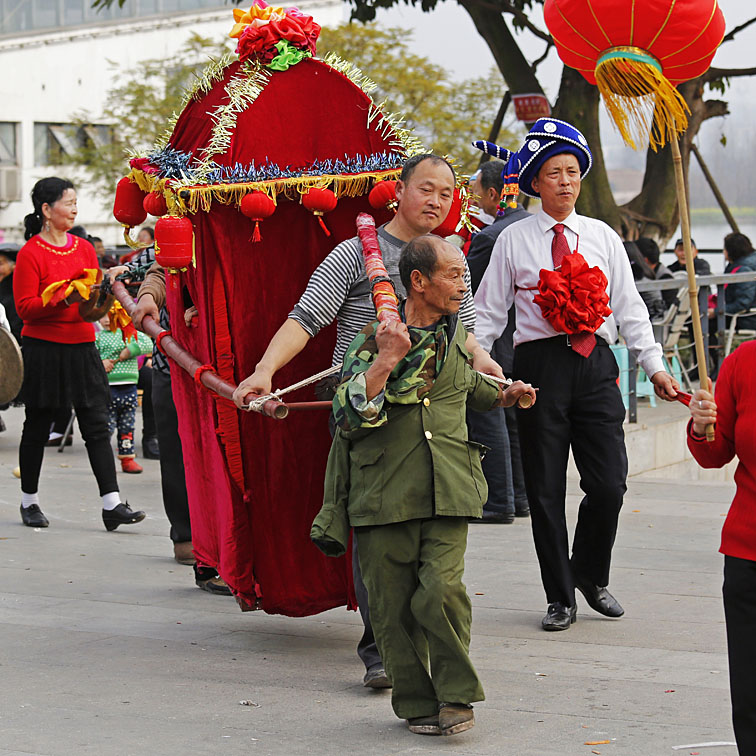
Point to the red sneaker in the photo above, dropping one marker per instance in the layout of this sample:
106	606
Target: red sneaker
130	466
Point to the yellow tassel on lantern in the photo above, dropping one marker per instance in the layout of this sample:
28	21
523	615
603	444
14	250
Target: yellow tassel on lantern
641	101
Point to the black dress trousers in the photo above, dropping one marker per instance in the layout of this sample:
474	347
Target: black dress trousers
172	479
579	405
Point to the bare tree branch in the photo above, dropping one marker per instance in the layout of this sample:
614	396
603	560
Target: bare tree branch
537	62
715	109
731	35
505	6
727	73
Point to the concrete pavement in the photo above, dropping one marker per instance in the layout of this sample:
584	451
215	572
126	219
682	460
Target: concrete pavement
107	648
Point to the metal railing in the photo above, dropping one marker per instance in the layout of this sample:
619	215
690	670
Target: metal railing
705	284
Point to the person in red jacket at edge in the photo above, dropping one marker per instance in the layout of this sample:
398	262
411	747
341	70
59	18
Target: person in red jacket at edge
61	365
733	413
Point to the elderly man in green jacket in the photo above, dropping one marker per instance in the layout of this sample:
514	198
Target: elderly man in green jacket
404	475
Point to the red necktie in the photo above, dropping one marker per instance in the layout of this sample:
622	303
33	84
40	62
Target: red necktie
583	342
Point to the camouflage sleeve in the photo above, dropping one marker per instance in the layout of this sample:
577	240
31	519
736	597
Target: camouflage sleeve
351	407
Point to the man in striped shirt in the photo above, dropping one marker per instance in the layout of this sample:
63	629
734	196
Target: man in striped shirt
339	290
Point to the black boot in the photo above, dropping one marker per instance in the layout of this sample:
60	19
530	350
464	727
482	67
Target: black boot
150	448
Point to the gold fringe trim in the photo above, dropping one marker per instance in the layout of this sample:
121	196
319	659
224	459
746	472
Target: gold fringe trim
642	103
183	199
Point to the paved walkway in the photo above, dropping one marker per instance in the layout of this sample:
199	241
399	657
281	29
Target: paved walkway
107	648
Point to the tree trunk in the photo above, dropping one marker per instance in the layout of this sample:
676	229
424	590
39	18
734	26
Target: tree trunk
506	52
578	104
654	212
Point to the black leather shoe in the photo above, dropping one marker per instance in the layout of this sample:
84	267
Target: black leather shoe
33	517
150	448
121	515
495	518
522	511
559	617
599	599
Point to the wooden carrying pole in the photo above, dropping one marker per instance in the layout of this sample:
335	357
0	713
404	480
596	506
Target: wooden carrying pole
695	311
271	408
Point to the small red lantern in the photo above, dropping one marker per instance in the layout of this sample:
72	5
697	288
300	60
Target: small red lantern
383	195
257	206
449	225
174	243
128	206
155	204
318	202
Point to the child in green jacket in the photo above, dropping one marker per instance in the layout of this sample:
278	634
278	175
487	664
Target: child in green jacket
120	363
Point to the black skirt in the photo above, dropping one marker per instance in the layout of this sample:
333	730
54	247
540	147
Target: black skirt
57	376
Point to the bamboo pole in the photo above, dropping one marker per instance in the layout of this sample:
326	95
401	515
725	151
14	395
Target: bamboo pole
682	202
210	380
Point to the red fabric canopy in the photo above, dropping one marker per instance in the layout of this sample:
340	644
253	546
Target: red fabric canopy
255	484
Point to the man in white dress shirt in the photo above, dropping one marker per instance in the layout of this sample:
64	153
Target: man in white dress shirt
579	403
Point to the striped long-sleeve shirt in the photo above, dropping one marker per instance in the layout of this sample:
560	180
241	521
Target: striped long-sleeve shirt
339	290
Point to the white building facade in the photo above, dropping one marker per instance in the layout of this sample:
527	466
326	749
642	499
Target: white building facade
56	60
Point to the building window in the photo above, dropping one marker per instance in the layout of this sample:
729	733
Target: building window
54	143
8	143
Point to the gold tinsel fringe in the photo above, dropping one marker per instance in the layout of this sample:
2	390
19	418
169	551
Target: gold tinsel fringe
242	90
184	199
642	103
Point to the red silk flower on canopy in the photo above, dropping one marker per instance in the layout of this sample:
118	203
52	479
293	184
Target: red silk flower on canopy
637	53
573	298
275	36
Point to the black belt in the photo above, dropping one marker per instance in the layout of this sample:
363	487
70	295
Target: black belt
562	338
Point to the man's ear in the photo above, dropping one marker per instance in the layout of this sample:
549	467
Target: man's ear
417	280
399	189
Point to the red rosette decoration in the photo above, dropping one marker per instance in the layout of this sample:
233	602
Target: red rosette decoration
266	33
573	299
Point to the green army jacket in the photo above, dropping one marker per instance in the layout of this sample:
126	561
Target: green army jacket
419	464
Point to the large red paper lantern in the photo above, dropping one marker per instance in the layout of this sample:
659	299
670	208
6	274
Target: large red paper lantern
174	243
257	206
155	204
319	202
383	195
636	53
449	225
128	206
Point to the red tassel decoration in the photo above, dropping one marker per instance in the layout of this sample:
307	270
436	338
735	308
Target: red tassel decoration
319	216
257	206
318	202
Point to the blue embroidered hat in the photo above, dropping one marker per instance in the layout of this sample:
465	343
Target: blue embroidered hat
509	174
547	138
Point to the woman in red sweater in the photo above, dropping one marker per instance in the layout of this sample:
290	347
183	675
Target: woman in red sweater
734	413
61	364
